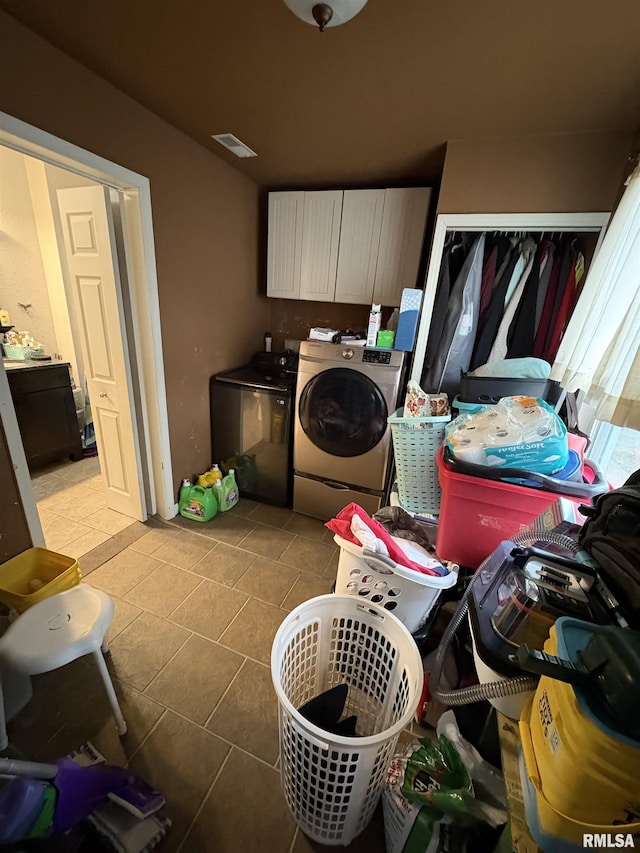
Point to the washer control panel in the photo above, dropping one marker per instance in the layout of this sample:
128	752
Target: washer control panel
373	356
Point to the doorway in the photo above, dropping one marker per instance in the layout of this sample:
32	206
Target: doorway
135	306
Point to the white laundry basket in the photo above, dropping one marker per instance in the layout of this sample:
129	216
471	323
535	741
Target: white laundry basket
409	594
332	783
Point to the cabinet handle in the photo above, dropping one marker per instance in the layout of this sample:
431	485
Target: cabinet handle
102	394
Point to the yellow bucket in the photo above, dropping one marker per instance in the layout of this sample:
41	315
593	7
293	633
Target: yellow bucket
585	769
36	574
552	828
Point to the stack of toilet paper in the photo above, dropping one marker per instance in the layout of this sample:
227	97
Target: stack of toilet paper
518	432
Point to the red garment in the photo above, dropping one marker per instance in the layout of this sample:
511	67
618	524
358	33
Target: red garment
546	319
341	525
564	312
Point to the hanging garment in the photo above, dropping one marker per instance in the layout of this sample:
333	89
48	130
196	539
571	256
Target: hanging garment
456	341
527	247
499	348
565	267
521	334
488	279
543	285
439	309
564	311
547	311
491	321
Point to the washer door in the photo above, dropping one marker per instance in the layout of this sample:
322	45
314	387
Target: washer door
343	412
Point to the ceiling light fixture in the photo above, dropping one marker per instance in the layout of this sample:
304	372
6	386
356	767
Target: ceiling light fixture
325	14
233	144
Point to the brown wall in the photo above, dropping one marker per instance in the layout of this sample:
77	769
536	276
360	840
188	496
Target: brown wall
205	217
14	533
543	174
292	318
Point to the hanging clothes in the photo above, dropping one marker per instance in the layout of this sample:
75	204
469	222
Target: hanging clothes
489	324
499	348
521	335
543	285
458	336
488	279
547	312
564	310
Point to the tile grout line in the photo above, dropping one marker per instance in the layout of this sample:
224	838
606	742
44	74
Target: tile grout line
194	590
224	631
294	839
160	671
148	734
226	690
204	800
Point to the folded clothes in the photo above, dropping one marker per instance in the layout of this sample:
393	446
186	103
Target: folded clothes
341	525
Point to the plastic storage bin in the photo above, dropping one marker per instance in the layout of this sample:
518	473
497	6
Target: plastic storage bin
332	783
476	514
415	444
404	591
490	389
55	571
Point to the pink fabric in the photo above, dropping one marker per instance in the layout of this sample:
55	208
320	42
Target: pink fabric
341	525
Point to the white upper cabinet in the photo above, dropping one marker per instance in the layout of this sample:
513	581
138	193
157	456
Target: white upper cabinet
359	240
403	223
320	239
284	244
356	246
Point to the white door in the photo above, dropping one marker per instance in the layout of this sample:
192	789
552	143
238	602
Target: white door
403	223
92	267
359	241
320	239
284	244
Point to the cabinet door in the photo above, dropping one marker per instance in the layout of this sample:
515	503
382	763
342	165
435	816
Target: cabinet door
359	242
403	223
320	239
284	244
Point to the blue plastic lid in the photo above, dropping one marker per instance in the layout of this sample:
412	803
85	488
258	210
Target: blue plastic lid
572	636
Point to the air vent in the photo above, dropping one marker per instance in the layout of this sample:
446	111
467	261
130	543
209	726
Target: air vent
234	145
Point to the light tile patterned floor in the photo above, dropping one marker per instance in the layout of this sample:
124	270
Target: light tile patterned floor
196	609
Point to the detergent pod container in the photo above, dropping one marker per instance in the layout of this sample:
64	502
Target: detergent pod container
226	491
197	502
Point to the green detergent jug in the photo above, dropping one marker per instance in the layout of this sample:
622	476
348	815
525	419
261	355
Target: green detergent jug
197	502
227	491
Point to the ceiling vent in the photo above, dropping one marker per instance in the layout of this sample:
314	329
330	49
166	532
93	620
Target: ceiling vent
234	145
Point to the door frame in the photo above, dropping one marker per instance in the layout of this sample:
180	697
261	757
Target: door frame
144	309
585	222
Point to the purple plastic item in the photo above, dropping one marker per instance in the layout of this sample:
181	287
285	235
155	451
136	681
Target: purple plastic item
21	802
81	789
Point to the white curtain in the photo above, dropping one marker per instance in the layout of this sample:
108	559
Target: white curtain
600	349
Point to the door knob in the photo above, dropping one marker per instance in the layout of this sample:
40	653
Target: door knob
102	394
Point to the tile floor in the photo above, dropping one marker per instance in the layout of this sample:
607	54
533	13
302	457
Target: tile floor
196	609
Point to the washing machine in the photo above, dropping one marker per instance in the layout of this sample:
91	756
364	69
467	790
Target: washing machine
342	441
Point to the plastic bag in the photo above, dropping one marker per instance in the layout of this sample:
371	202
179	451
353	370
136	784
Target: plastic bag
518	432
441	796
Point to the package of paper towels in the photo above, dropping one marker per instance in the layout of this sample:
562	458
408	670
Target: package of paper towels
518	432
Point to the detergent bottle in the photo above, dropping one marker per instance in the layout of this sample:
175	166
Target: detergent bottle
197	502
228	491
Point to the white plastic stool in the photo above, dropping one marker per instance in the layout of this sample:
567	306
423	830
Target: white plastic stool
55	632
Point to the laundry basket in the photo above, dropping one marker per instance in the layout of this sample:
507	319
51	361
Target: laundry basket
416	442
408	593
332	783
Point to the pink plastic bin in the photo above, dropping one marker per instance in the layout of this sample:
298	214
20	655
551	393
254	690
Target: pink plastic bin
476	514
